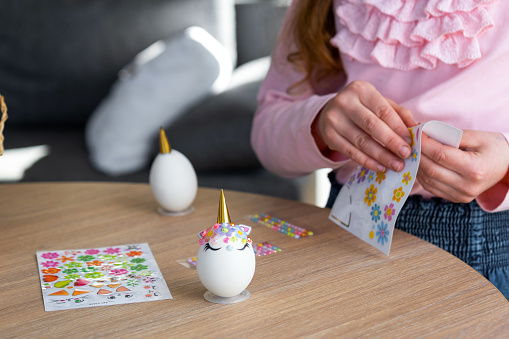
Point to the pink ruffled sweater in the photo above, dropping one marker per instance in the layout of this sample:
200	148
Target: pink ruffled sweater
444	60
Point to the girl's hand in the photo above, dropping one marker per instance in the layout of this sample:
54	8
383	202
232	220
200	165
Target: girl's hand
366	127
460	175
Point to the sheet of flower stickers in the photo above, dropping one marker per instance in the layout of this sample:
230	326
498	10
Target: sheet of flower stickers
369	203
100	276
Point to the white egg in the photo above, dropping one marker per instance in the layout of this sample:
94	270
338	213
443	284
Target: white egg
226	267
173	181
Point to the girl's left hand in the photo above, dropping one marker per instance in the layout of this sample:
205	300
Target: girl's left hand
460	175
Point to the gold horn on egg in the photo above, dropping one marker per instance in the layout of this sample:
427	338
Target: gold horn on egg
164	145
222	214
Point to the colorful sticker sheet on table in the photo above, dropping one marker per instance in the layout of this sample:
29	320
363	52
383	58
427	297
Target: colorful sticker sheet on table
100	276
281	225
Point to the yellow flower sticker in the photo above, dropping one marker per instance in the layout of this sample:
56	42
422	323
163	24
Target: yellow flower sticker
412	135
380	176
398	194
406	178
370	195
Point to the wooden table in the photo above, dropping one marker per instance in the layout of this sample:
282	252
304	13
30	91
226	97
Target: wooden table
329	284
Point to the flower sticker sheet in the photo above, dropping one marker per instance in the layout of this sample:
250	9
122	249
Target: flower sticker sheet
369	203
100	276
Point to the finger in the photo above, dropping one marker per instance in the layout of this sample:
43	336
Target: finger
446	156
381	121
469	141
404	113
436	178
443	167
441	189
382	108
370	147
381	132
473	141
344	146
439	193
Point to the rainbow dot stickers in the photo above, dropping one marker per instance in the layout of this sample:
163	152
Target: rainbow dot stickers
192	261
281	226
265	248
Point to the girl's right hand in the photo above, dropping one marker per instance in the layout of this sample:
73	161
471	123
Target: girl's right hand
366	127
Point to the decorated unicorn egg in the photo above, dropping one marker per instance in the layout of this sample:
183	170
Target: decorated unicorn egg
226	260
172	180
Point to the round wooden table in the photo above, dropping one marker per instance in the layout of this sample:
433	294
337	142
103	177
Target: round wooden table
329	284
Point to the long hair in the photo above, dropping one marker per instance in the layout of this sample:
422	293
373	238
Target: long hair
311	27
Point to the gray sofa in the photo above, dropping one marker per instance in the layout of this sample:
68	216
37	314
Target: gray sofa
59	59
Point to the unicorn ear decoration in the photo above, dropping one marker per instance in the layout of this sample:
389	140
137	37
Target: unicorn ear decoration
226	260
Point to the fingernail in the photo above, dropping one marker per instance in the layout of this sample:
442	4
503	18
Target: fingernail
380	168
397	165
404	151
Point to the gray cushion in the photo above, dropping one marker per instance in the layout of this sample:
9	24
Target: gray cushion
59	58
156	89
215	134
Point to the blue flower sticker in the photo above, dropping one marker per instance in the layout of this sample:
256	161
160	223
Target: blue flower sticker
382	233
371	176
413	156
375	213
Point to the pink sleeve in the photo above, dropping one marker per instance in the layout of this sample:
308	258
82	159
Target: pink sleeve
496	198
281	132
281	135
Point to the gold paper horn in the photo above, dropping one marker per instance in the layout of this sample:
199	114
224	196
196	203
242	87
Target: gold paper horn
164	145
222	214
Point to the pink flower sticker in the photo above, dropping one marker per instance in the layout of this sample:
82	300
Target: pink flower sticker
120	271
111	250
49	255
50	263
389	212
92	251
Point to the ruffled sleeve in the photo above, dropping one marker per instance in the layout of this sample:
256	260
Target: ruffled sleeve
411	34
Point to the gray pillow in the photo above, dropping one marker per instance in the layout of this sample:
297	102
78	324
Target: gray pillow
154	90
215	133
